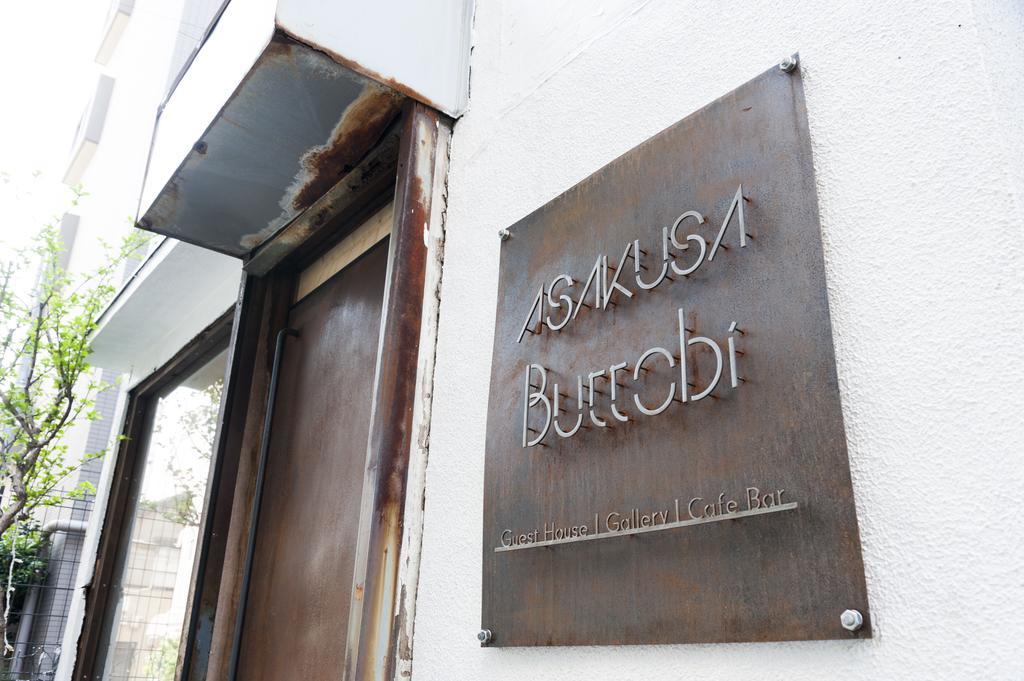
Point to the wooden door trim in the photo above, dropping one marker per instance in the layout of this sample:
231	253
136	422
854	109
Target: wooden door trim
368	234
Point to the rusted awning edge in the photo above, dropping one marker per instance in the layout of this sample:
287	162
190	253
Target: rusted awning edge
181	208
372	175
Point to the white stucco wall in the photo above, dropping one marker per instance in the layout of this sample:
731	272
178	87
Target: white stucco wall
915	123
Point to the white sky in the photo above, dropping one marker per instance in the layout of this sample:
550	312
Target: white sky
47	77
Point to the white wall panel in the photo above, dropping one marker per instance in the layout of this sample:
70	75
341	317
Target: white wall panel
912	141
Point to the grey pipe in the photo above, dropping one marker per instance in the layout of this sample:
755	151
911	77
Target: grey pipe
70	526
28	615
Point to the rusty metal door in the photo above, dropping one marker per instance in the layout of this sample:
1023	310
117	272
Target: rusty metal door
298	600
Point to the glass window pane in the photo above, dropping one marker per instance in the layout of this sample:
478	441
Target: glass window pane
164	530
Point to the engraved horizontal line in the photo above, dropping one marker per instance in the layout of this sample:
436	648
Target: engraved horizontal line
654	528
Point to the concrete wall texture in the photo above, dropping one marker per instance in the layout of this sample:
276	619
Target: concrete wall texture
915	114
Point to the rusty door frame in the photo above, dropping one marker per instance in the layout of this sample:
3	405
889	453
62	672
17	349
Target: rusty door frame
114	536
415	155
376	619
266	295
253	311
376	625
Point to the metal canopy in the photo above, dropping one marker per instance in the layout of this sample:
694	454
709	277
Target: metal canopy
297	124
190	287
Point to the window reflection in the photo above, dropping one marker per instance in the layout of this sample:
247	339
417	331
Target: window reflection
154	587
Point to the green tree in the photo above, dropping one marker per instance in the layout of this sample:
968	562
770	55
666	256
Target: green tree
163	660
28	545
46	385
194	427
25	550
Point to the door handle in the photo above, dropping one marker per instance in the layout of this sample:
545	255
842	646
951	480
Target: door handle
268	417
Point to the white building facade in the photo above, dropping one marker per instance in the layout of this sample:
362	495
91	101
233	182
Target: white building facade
303	138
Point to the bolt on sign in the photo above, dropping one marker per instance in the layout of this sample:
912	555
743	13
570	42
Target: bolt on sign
666	460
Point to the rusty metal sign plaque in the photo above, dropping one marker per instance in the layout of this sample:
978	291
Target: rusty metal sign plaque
666	460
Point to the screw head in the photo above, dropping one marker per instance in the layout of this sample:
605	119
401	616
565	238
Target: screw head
851	620
484	636
789	64
200	147
504	234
